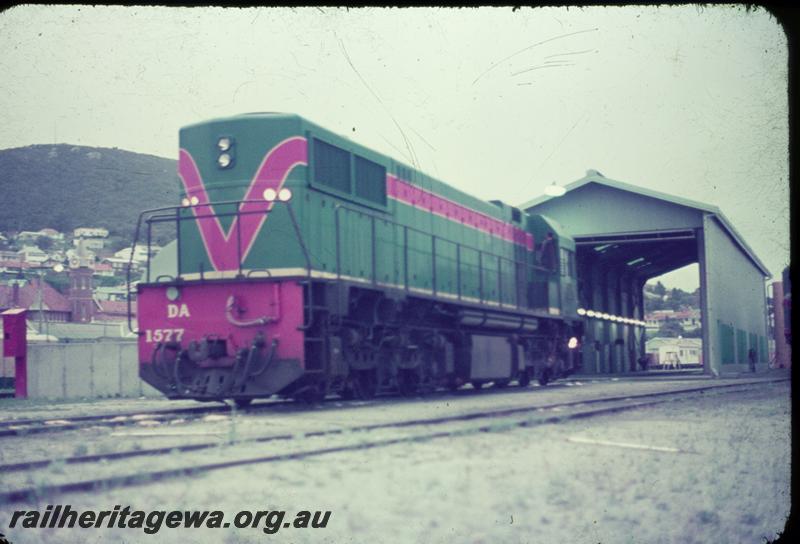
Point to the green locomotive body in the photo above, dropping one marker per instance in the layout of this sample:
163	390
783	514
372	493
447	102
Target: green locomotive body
397	280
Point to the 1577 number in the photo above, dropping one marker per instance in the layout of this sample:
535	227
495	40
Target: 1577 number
163	335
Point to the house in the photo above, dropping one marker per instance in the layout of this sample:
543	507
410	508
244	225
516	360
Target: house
139	253
688	318
92	238
27	236
89	232
35	294
119	266
111	293
103	269
32	254
14	266
112	310
674	352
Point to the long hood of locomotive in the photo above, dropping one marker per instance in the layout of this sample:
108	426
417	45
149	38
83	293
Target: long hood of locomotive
236	312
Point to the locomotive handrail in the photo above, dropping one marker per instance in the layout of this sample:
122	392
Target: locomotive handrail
157	215
481	254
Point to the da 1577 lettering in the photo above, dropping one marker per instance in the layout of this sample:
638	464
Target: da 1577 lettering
163	335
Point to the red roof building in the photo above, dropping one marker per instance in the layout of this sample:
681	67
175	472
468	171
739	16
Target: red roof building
54	305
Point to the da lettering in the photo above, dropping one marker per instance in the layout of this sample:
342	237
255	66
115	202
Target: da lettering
177	310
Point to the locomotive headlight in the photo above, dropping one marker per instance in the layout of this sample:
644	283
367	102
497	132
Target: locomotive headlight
194	201
573	343
224	160
224	144
285	194
185	203
270	194
173	293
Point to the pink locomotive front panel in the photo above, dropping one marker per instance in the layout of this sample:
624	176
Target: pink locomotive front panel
226	339
235	312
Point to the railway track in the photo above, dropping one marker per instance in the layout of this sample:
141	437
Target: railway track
353	438
23	427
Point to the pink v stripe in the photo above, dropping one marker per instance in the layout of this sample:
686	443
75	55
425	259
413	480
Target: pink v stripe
272	173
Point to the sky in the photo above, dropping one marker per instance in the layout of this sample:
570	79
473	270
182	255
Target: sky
687	100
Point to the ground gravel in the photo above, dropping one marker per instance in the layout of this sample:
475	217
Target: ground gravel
722	474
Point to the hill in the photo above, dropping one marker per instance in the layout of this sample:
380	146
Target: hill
66	186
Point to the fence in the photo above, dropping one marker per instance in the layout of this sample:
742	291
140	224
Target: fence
91	370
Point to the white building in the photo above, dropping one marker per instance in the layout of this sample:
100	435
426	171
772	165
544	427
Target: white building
32	254
93	238
674	352
139	253
32	236
90	232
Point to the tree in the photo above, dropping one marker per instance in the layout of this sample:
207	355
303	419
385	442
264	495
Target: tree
44	242
671	328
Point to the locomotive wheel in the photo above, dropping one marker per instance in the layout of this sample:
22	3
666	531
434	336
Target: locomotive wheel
407	382
524	378
544	377
365	384
477	385
242	403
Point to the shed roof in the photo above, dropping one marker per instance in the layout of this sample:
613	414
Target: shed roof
593	176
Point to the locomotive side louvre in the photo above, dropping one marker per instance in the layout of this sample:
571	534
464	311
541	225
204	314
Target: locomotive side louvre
369	276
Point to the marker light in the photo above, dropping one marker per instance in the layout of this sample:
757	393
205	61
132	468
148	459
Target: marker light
173	293
195	201
270	194
285	194
185	203
224	144
573	343
581	311
224	160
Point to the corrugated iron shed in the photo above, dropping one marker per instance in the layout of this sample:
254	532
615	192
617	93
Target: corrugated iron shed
627	234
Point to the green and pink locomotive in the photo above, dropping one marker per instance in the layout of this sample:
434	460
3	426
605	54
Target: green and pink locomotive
305	264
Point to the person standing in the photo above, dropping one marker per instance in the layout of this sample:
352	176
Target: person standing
751	356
